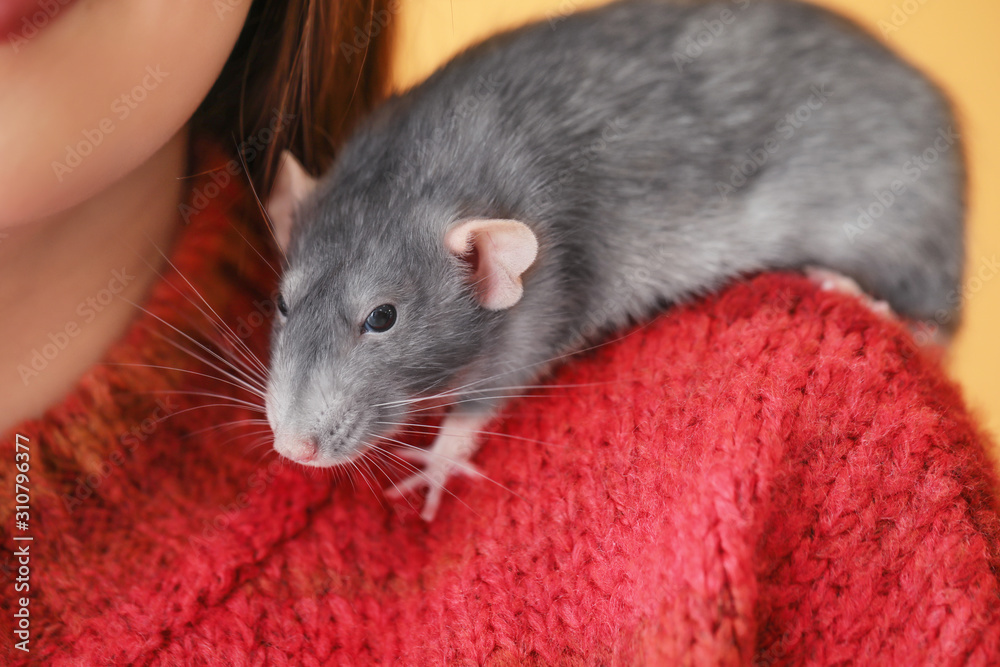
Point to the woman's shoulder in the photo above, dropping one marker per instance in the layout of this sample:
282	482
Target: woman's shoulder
772	470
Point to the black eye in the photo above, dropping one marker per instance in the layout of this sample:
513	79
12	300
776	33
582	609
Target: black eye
282	306
381	319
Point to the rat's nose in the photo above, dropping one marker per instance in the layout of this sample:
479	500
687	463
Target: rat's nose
296	448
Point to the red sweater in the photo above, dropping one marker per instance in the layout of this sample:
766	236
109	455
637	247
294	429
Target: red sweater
772	475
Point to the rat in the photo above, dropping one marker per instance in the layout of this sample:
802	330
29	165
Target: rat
565	179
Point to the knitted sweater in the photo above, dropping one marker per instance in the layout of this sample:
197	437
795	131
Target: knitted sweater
771	475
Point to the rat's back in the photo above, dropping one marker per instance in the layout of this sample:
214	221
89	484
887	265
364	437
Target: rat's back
659	149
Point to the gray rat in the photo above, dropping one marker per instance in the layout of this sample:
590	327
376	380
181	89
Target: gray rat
564	179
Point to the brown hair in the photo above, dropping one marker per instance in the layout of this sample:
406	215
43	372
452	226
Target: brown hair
306	69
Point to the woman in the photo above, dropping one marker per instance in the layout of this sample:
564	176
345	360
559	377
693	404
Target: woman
728	485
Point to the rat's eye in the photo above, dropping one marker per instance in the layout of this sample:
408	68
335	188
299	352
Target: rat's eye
282	306
381	319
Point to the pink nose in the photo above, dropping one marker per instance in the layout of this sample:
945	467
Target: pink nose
298	449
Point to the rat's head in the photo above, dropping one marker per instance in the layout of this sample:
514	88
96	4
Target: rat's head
373	315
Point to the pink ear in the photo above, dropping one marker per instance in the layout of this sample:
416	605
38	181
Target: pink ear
499	251
291	186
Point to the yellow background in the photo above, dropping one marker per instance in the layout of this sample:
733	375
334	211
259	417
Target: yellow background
957	42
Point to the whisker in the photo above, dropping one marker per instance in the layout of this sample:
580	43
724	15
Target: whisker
219	320
266	453
365	460
258	429
407	467
233	358
251	384
239	436
260	206
465	467
428	429
472	399
542	364
235	363
206	394
180	347
185	370
227	354
443	487
459	390
229	425
202	407
350	476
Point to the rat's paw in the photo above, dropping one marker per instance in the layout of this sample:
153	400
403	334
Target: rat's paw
831	281
436	472
924	333
450	455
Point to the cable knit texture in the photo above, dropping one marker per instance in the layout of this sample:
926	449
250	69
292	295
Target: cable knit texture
772	475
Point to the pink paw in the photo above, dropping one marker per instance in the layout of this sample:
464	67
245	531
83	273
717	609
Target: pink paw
434	475
831	281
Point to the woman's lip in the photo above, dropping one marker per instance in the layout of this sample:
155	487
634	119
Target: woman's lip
23	19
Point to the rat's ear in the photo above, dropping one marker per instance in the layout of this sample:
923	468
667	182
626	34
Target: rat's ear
498	251
291	186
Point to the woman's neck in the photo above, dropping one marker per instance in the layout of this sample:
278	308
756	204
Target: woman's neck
66	281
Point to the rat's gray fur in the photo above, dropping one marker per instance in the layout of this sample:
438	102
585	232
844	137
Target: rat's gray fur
619	143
